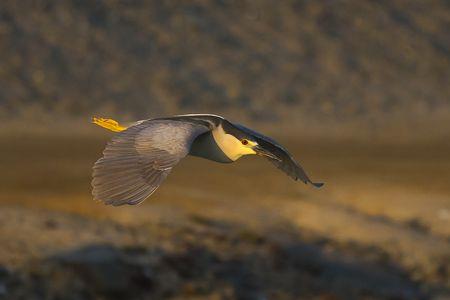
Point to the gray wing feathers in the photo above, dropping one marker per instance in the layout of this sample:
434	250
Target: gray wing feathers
136	161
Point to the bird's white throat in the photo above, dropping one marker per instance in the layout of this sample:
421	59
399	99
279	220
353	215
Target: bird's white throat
230	145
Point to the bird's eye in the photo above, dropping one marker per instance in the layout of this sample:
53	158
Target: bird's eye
244	142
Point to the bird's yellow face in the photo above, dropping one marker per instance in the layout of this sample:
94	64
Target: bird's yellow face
255	148
232	147
247	146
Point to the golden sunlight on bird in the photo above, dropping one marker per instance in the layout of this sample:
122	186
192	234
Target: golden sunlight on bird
138	159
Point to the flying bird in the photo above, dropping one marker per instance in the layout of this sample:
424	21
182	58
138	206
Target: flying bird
138	159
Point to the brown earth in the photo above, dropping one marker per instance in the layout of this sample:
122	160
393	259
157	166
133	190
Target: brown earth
378	229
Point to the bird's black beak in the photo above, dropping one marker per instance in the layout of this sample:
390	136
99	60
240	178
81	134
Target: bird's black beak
263	152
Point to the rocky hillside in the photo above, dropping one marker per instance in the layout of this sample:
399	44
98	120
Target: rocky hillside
340	58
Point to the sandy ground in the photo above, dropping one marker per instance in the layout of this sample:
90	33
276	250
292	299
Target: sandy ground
379	229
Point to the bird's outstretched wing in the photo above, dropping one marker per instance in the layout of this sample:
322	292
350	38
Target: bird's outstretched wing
137	160
284	161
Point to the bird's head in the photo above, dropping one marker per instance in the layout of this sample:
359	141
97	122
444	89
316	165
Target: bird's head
249	144
235	143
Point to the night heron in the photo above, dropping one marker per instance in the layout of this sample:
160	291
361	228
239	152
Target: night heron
138	159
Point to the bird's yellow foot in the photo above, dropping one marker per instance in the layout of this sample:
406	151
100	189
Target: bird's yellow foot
108	124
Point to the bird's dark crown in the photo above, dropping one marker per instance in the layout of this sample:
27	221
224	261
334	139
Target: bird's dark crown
229	128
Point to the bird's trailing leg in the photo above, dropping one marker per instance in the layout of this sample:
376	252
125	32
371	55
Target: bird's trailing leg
108	124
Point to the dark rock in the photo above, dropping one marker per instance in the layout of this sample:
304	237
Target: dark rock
106	270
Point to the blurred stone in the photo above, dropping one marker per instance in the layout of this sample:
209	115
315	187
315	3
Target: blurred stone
4	276
106	270
3	289
51	224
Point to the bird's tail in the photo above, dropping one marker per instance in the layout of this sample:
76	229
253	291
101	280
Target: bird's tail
108	124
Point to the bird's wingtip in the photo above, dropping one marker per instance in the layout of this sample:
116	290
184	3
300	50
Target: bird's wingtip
317	184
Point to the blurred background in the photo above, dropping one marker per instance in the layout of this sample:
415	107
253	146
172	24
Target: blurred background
358	91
